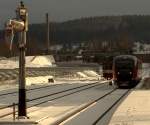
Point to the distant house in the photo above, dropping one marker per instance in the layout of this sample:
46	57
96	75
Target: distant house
141	48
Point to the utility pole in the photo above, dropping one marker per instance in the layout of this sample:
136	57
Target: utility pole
47	32
22	15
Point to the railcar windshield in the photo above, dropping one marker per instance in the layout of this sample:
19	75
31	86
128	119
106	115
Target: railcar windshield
124	64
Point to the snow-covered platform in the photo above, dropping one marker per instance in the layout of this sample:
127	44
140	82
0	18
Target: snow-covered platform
135	109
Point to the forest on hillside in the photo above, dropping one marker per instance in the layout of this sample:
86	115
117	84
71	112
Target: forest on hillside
119	31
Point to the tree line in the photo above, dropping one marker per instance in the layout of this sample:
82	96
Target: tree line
119	31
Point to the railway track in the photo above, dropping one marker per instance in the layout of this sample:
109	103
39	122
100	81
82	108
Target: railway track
80	116
98	120
36	88
6	110
44	88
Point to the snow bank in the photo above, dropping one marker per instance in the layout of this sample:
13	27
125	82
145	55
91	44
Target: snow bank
8	64
31	61
39	61
91	73
80	74
88	74
37	80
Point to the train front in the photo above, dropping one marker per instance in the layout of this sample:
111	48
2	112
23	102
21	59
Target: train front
124	71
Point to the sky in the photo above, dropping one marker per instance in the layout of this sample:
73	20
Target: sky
62	10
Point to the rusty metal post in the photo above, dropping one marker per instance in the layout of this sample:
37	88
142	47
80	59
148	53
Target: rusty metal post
23	16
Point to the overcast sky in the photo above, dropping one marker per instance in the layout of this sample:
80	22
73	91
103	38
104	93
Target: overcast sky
62	10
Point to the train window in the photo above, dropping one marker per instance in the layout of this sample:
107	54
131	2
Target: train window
124	64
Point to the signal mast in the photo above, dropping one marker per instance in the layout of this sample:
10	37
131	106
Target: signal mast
19	25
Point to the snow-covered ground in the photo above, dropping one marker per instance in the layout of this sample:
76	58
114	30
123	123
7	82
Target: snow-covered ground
9	74
56	109
51	111
79	77
31	61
